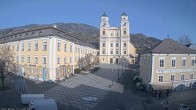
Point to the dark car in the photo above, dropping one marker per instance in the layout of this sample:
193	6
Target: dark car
137	79
139	86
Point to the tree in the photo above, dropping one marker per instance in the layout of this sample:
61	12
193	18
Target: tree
7	65
184	39
87	62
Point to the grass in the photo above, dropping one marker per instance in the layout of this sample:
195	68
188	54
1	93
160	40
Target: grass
4	88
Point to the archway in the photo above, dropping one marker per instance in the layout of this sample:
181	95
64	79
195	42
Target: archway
116	60
111	60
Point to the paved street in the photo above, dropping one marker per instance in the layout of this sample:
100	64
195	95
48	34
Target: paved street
69	93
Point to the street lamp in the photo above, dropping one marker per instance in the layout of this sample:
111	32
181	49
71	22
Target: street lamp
122	67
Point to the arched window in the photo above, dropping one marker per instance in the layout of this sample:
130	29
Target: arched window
125	32
103	32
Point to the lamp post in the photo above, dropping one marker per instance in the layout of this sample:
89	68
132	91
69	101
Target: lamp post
122	67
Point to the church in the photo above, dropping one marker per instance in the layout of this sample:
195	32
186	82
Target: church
115	46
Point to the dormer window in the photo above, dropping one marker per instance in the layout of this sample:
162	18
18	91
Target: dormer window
15	36
124	18
32	33
26	34
40	32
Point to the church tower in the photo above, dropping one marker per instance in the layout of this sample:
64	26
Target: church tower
115	46
124	25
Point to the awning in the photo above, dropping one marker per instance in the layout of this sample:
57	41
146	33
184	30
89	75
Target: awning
161	86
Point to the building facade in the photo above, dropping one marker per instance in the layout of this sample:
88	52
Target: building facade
46	53
169	65
115	45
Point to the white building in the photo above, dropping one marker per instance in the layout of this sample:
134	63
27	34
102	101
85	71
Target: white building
115	43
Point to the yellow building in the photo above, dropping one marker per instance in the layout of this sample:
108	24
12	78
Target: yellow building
169	65
46	53
115	46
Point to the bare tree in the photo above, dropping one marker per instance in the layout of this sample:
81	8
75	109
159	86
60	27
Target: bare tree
184	39
7	65
89	61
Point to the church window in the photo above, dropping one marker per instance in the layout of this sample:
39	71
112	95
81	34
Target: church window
125	32
103	44
103	32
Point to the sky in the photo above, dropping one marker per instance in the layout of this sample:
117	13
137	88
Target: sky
153	18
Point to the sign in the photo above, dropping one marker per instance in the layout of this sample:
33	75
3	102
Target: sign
32	65
176	70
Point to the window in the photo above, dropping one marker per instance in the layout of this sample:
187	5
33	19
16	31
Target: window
111	34
103	32
193	62
17	47
117	52
28	59
124	31
13	47
59	46
44	46
58	60
111	44
36	46
160	78
103	44
182	77
117	44
103	52
70	59
111	52
22	59
44	60
29	46
125	44
75	49
125	52
173	63
22	48
183	62
191	76
65	47
36	60
70	48
172	77
78	50
65	60
161	61
17	59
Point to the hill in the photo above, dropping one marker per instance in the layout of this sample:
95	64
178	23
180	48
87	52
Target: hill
85	32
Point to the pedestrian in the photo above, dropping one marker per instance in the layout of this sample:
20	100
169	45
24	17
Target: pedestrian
159	95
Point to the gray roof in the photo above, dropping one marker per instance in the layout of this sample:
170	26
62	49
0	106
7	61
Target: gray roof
104	15
41	32
123	14
169	46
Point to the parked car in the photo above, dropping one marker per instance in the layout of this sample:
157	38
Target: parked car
139	86
184	107
137	79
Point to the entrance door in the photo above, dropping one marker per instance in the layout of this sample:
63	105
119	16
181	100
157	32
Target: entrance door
111	60
116	60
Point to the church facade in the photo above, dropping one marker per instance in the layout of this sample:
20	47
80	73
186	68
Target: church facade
115	46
